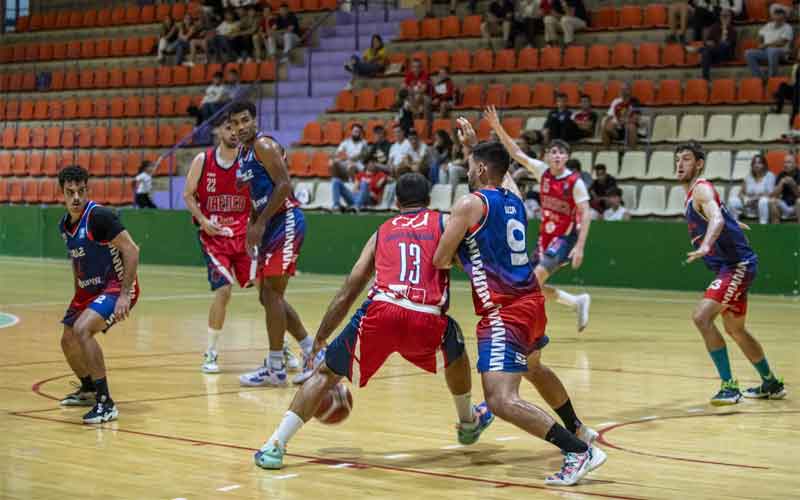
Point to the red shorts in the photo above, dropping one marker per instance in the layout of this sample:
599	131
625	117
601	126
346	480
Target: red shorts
730	287
379	329
227	258
280	245
508	335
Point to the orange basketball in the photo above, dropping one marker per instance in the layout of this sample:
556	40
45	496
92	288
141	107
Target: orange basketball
335	406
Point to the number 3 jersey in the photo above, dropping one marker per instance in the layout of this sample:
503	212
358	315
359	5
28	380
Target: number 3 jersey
404	270
494	253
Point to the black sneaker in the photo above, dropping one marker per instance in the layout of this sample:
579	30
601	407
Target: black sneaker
103	411
80	397
770	389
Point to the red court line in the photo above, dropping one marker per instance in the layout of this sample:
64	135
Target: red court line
460	477
602	437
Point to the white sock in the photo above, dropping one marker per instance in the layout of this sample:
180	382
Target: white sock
213	337
307	344
276	360
288	427
464	408
566	298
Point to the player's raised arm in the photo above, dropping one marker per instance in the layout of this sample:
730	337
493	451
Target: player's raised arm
130	261
190	192
510	184
353	285
704	201
581	197
466	212
534	166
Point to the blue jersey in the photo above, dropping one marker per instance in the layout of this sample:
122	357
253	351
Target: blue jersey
494	252
731	248
98	265
261	184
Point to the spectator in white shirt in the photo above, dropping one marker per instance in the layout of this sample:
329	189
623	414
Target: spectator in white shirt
221	45
346	161
399	150
754	195
144	184
419	158
776	36
214	99
616	211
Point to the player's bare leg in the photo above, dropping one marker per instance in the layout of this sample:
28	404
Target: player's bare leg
216	320
555	394
273	372
88	324
297	330
771	386
581	303
472	419
704	315
71	346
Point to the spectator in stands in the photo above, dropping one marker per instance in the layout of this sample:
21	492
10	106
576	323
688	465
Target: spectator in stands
286	32
440	155
585	119
444	93
575	165
719	43
346	161
784	198
776	36
187	30
168	39
233	85
616	211
559	124
703	16
262	35
380	148
678	20
601	188
238	3
371	63
454	172
399	150
248	27
528	18
144	185
567	16
222	42
753	198
735	6
418	85
214	99
369	187
498	21
419	158
789	90
622	120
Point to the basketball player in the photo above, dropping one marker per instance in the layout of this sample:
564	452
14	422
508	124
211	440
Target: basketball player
718	239
487	232
405	312
277	228
104	263
565	215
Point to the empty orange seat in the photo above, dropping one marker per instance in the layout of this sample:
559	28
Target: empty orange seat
48	191
613	88
133	161
513	126
36	163
312	134
519	96
461	61
69	138
696	91
84	136
603	18
550	58
575	57
299	163
543	95
483	61
644	91
102	48
483	130
53	137
496	95
757	10
409	30
26	110
751	91
133	107
150	136
62	19
451	27
74	49
132	46
167	135
86	79
669	93
88	49
32	52
332	133
365	100
23	24
98	165
471	97
723	91
471	26
345	102
118	16
15	191
431	28
55	110
52	161
46	51
37	137
319	165
249	72
439	59
595	91
528	59
132	15
98	189
116	78
100	137
505	61
116	164
266	71
104	17
132	77
149	106
674	55
166	105
85	108
40	110
148	77
599	57
630	16
23	137
775	160
19	165
655	16
116	137
622	55
90	19
164	78
12	110
5	163
9	137
30	190
570	89
648	55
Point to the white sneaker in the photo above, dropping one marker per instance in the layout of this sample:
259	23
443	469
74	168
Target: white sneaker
576	466
210	363
587	434
309	365
292	363
583	303
264	376
599	457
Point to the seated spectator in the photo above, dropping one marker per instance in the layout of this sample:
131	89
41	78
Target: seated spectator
263	33
784	198
187	30
221	44
369	187
168	39
440	154
575	165
454	172
444	93
380	148
616	211
600	188
622	120
233	86
703	16
346	161
559	124
405	115
498	21
719	43
372	62
418	85
204	31
419	157
776	37
528	19
144	185
754	195
567	16
399	150
789	90
248	26
677	19
735	6
214	99
585	120
286	32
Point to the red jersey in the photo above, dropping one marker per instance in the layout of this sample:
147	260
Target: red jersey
559	211
376	181
404	270
220	198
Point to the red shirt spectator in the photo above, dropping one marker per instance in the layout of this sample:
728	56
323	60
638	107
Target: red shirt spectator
417	79
376	180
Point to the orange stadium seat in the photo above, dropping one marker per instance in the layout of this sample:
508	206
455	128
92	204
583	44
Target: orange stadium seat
648	55
9	137
630	17
644	91
12	110
182	104
85	137
696	91
89	19
116	78
53	139
5	163
513	126
461	61
723	91
757	10
32	52
15	190
30	190
439	59
23	137
36	22
570	89
150	136
133	46
50	20
117	137
655	16
104	18
471	26
603	18
100	137
148	77
528	59
147	15
100	80
68	139
332	133
669	93
76	19
622	55
674	55
311	6
319	165
249	72
299	163
88	49
505	61
133	107
599	56
117	107
409	30
6	53
29	81
49	191
370	129
543	95
451	27
118	16
483	61
483	129
19	165
131	15
519	96
98	165
37	137
98	190
85	108
613	88
312	134
36	163
595	91
133	161
164	78
166	105
46	51
445	124
117	47
40	110
345	102
18	53
86	79
116	164
266	71
775	160
26	110
496	95
471	97
102	48
386	98
751	91
23	24
149	106
74	49
431	28
52	160
550	58
62	20
132	77
365	100
575	57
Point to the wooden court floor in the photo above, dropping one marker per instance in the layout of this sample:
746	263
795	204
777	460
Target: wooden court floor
639	374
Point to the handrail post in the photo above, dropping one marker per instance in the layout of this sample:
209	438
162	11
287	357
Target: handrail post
171	180
358	37
309	51
276	120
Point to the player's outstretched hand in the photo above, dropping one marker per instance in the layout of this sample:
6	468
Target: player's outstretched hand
466	134
697	254
577	257
490	113
123	306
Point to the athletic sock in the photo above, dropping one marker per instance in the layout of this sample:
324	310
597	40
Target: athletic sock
86	384
720	359
290	424
307	345
567	298
763	369
567	414
565	440
464	408
276	361
213	337
101	385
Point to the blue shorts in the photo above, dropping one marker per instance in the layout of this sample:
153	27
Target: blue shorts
556	254
281	243
103	304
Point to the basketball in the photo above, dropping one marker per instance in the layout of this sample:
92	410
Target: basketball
335	406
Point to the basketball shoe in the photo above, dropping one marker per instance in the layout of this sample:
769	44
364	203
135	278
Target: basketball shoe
729	394
264	376
309	365
103	411
79	398
210	362
292	363
270	456
576	466
469	433
583	302
769	389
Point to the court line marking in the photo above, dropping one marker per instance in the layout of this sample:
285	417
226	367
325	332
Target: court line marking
507	438
602	437
286	476
452	447
230	488
342	465
396	456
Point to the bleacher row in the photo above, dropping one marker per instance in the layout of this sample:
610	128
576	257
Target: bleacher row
132	136
134	106
78	49
116	191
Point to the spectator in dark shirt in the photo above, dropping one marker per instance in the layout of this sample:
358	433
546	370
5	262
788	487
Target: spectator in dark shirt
559	121
440	155
719	44
444	93
498	21
784	198
380	148
567	16
261	37
601	188
575	165
249	22
168	38
789	91
585	120
285	33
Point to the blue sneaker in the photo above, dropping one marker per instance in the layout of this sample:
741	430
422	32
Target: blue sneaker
270	456
769	389
309	365
469	433
728	394
264	376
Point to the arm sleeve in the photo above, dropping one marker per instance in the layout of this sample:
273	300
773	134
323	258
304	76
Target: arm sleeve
579	192
104	225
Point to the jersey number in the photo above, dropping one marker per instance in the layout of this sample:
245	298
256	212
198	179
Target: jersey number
515	236
409	254
211	184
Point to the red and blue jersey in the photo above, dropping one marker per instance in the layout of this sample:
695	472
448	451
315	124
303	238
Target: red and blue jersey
261	184
731	248
494	253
